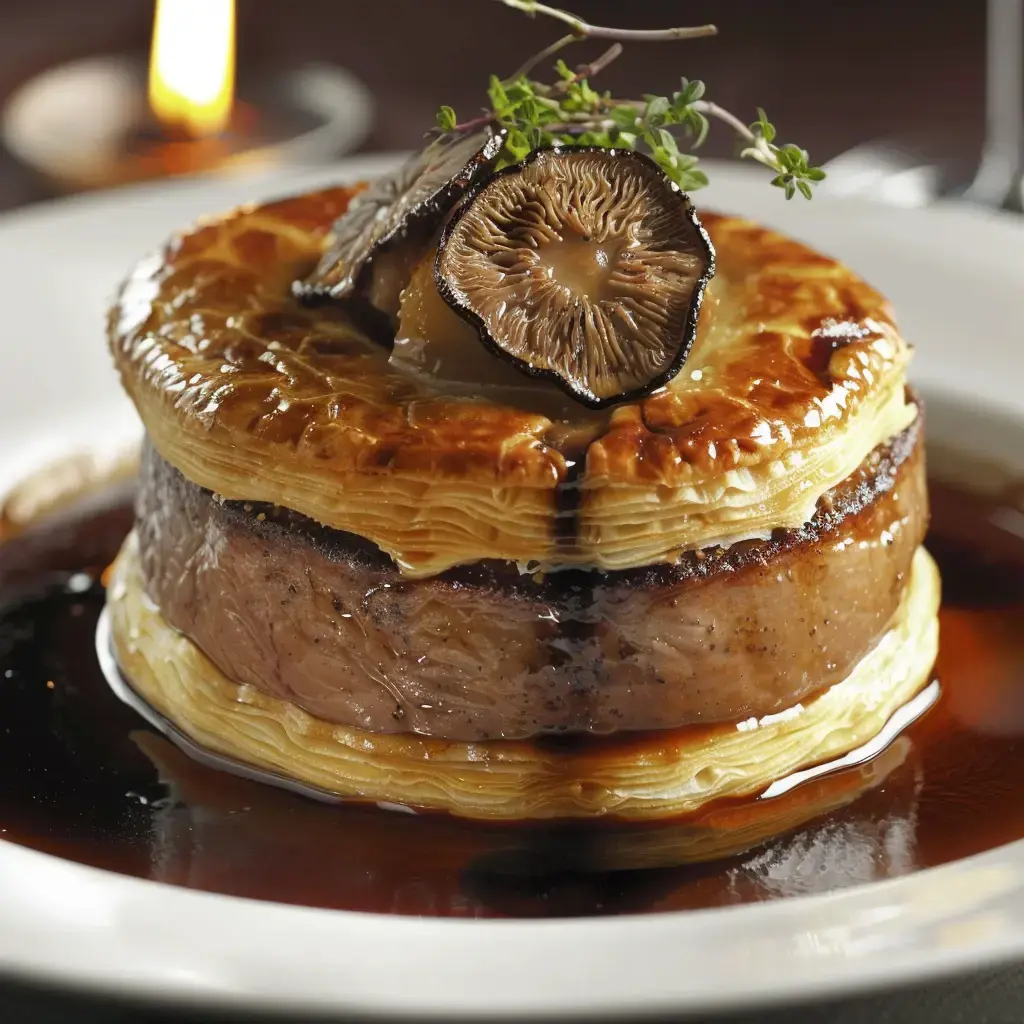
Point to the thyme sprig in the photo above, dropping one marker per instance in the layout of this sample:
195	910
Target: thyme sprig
568	110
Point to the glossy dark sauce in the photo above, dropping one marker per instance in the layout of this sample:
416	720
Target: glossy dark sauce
81	776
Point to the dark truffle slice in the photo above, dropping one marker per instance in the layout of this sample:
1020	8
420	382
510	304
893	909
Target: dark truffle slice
410	202
583	265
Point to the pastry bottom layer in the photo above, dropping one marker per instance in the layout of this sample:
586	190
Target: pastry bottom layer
640	776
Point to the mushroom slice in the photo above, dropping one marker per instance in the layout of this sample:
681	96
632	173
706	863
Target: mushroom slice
586	266
410	201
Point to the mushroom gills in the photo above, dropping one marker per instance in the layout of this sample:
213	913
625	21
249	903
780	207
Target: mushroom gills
439	349
586	266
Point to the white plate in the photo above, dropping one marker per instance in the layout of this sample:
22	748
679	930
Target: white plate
957	279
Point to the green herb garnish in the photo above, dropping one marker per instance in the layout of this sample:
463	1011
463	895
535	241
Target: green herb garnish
669	128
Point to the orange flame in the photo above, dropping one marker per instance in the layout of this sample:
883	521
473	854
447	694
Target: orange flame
192	65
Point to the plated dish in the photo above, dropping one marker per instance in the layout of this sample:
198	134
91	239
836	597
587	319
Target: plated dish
127	802
521	539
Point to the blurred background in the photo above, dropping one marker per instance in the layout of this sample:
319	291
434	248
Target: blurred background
833	76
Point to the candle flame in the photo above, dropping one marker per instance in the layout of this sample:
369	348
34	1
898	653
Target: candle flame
192	65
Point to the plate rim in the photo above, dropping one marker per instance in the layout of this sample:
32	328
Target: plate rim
993	875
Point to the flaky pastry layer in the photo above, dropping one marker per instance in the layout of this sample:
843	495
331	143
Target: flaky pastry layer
650	776
797	373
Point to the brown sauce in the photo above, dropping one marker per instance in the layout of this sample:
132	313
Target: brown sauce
81	776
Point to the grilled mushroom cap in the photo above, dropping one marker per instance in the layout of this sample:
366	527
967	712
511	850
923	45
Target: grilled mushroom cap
586	266
409	202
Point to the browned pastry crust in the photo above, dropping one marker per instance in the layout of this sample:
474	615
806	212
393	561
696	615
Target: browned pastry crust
255	397
326	621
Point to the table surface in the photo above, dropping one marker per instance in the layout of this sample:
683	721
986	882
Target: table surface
830	75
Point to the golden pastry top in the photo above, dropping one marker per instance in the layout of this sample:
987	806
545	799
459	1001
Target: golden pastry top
797	372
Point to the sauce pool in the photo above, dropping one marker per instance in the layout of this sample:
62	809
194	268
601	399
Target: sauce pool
83	777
